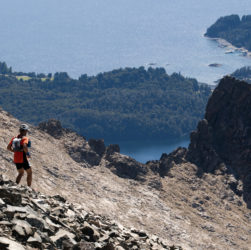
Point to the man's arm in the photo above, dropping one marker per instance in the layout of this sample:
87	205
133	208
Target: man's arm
25	148
9	147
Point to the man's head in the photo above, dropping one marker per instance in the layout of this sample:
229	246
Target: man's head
23	129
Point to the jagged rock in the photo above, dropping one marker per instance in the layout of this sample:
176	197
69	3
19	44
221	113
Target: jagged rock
36	222
126	167
222	140
84	152
11	198
97	146
18	231
35	241
2	203
167	161
90	231
8	244
59	198
1	180
63	235
24	225
112	148
36	227
11	210
52	127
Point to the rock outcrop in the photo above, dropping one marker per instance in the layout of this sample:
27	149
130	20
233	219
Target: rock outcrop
53	127
222	142
30	220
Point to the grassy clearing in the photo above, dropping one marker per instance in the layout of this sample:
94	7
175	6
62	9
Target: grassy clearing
24	78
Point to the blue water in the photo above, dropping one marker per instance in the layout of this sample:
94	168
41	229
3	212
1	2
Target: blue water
145	151
94	36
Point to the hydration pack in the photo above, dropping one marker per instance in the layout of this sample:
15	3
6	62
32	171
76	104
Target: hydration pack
16	145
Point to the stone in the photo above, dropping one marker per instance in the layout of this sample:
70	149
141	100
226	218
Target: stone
8	244
83	245
18	231
63	235
97	146
35	241
10	211
52	127
126	167
36	222
59	198
112	148
1	180
2	203
90	231
24	225
9	197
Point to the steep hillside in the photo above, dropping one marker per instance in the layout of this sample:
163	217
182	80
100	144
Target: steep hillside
196	198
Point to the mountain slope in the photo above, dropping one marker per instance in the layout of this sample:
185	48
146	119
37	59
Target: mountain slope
176	199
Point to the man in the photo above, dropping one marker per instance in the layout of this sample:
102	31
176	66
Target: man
19	145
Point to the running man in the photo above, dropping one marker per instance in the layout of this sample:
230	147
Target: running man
19	145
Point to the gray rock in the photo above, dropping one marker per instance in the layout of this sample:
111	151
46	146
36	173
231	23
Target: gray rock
36	222
90	231
10	211
2	203
97	146
126	167
35	241
52	127
63	235
1	180
6	243
10	197
24	225
18	231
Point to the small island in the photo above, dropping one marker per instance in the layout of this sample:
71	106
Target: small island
216	65
234	30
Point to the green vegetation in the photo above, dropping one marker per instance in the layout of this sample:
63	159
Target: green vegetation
130	103
233	29
243	73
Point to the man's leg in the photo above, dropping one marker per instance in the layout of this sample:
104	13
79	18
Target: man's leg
29	176
20	175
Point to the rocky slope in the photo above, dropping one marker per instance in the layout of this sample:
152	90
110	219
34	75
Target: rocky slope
222	142
30	220
195	198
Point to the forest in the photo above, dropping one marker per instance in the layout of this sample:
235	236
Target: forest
123	104
243	73
233	29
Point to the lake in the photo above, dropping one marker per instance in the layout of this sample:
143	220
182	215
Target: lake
146	151
94	36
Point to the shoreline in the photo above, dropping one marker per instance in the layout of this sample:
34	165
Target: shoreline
230	47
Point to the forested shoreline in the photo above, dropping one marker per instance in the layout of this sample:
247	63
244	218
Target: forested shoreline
233	29
129	103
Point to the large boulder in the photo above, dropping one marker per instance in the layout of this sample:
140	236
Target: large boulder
126	167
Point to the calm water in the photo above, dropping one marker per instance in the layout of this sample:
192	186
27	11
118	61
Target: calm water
145	151
94	36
